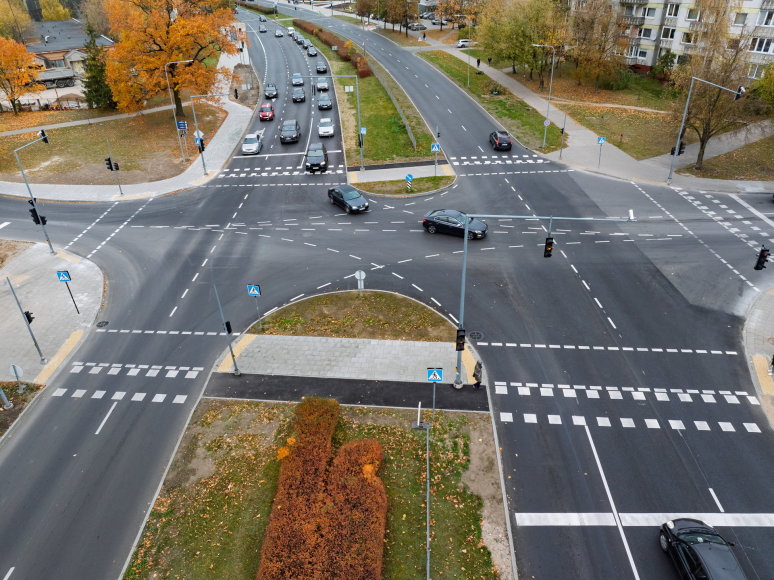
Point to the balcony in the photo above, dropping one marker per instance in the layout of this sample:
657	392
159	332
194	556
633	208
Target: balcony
633	1
671	21
634	20
764	31
767	4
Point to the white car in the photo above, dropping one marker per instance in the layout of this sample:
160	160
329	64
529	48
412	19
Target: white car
278	33
464	43
252	144
325	128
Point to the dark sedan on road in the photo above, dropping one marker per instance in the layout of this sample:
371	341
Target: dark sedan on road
324	102
322	68
270	91
299	96
451	221
316	158
348	198
500	141
290	131
297	80
698	551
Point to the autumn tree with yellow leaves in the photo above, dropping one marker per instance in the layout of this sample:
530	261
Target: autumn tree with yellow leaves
14	20
17	72
152	35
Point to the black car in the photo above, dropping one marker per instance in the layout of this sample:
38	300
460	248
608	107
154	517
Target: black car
299	96
270	91
451	221
698	551
322	68
316	158
261	18
311	51
500	140
348	198
324	102
290	131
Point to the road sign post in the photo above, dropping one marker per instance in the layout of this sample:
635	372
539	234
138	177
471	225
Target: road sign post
409	179
435	148
360	276
600	142
255	290
64	276
27	320
18	373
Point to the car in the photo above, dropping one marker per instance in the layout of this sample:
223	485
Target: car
322	84
306	43
500	140
261	18
297	80
311	51
698	551
252	144
322	68
291	31
326	127
266	112
436	21
464	43
300	40
262	28
451	221
290	131
348	198
270	91
324	102
417	26
278	33
299	96
316	158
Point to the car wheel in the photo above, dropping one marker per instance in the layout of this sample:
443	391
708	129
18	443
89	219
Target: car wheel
663	542
348	209
471	236
330	199
431	229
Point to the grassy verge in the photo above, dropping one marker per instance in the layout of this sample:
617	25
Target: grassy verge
521	120
369	314
399	37
751	162
419	185
19	401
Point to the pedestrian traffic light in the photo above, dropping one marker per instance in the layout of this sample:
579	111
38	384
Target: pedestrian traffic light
549	247
109	163
681	149
228	326
739	93
460	339
360	140
35	216
43	136
200	144
115	165
28	315
236	93
43	220
763	257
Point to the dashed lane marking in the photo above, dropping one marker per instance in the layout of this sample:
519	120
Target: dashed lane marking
609	348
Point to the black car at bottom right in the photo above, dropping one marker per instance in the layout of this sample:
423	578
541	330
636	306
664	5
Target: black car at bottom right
698	551
451	221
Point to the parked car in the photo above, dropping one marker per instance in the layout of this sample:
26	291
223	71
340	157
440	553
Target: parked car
698	551
311	51
324	102
348	198
270	91
297	80
322	84
299	39
261	18
417	26
326	127
278	33
316	158
451	221
464	43
266	112
252	144
500	140
290	131
306	43
262	28
299	96
436	21
322	68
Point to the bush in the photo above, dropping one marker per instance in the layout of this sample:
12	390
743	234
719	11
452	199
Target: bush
621	79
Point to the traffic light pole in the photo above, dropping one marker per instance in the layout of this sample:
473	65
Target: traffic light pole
115	166
26	321
43	138
196	124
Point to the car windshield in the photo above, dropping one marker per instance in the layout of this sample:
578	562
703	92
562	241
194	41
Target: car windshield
251	140
350	195
265	108
697	536
289	127
326	123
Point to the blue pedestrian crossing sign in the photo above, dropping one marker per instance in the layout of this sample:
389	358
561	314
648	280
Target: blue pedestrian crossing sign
601	140
435	148
63	276
435	375
253	290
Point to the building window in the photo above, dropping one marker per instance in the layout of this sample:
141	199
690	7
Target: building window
693	14
629	10
672	9
667	33
56	63
648	12
644	32
740	18
756	71
643	54
760	45
766	18
687	38
631	51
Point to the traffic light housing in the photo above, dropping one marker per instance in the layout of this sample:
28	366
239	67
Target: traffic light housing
115	165
360	140
227	326
28	315
763	257
681	149
35	216
200	144
549	247
109	163
460	344
739	93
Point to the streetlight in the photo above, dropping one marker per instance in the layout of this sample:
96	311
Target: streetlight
172	100
550	85
196	125
42	137
738	94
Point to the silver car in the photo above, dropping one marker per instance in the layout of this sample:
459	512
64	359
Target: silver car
322	84
326	127
252	144
297	80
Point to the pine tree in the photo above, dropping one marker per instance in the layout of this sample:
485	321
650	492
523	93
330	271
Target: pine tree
95	88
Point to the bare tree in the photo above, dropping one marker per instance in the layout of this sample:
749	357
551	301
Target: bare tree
597	42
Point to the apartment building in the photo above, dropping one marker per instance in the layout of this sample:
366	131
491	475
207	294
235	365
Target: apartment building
652	28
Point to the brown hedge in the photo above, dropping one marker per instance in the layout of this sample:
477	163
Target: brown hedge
345	49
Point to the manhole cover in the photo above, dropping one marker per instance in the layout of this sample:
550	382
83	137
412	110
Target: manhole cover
475	335
102	323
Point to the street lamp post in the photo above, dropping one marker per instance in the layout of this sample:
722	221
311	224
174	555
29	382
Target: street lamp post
43	137
172	100
196	125
550	86
738	93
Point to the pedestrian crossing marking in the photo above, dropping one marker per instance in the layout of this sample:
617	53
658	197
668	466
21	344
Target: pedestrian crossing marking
116	396
628	422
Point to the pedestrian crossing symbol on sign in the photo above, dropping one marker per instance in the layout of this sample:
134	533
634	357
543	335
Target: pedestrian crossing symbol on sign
435	148
435	375
63	276
253	290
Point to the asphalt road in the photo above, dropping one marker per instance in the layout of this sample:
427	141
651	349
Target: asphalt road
620	391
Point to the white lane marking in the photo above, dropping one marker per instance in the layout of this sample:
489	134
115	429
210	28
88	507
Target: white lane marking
612	504
610	320
650	520
751	209
173	312
101	425
717	501
10	570
2	225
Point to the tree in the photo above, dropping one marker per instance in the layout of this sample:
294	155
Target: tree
500	31
93	12
53	10
364	8
14	20
95	88
765	86
16	72
153	35
596	28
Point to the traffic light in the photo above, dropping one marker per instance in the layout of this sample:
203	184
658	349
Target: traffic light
28	315
681	149
43	220
549	247
763	257
360	140
43	136
115	165
460	339
200	144
109	163
739	93
35	216
228	327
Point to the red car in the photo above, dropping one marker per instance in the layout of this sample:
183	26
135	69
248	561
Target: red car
266	112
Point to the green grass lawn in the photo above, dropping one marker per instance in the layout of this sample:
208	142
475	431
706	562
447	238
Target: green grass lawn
749	163
418	185
521	120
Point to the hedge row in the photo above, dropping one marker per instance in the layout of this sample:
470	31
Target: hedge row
326	521
257	7
346	49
